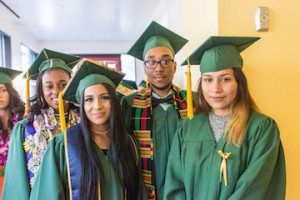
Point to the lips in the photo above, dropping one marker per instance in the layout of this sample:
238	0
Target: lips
217	98
101	114
159	76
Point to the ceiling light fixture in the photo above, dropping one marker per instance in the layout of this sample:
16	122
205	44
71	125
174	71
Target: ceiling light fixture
13	12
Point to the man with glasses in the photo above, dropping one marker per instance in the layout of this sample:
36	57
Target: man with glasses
153	113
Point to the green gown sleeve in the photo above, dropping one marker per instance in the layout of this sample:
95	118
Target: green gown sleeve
266	167
50	182
174	183
16	183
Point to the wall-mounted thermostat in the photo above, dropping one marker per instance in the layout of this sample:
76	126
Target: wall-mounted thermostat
262	19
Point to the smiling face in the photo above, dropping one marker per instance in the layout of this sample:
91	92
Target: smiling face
4	97
219	90
97	106
54	81
160	78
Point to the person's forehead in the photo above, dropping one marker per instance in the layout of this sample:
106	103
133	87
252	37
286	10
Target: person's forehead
159	51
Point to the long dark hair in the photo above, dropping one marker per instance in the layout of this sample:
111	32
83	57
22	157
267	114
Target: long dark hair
123	154
38	102
15	106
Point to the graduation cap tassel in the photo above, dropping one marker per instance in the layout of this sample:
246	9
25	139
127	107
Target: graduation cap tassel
63	129
27	93
61	113
190	113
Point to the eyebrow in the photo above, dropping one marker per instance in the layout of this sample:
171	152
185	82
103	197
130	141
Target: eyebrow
90	95
219	75
59	81
163	56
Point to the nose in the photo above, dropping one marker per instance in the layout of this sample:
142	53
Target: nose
98	104
159	67
57	89
216	86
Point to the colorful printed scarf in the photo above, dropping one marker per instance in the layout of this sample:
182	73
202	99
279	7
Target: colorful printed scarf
4	144
38	134
142	128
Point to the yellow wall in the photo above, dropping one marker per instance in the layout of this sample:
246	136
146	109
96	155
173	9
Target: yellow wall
272	66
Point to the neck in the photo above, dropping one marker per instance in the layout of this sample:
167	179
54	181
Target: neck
100	132
162	92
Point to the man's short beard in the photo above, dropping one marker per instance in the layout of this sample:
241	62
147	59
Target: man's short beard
161	88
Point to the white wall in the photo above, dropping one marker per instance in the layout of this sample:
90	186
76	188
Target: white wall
9	24
193	19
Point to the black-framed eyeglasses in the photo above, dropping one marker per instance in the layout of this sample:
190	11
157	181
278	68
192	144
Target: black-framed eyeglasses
152	64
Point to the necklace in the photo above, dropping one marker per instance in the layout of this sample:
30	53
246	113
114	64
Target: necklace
101	138
96	132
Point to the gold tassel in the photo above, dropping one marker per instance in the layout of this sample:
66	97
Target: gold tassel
61	112
190	113
223	167
27	85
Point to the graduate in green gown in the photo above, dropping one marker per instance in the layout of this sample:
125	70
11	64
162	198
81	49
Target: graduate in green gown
11	111
228	150
30	137
95	159
153	113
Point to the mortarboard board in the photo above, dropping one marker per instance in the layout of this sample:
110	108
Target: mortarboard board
126	87
7	75
90	73
143	83
52	59
156	35
220	52
129	84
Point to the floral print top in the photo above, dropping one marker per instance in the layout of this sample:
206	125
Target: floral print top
38	134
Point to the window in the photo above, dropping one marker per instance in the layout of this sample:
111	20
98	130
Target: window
27	57
5	50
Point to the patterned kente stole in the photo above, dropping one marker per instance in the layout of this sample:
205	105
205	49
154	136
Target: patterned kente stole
142	128
38	135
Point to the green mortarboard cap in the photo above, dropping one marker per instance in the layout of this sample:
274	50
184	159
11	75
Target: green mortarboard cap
143	83
220	52
129	84
156	35
52	59
87	74
126	87
7	75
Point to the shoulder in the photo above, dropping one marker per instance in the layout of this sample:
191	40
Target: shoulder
21	123
257	119
19	127
260	125
187	125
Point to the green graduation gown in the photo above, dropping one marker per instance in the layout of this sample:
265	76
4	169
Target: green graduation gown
164	123
255	170
16	167
52	182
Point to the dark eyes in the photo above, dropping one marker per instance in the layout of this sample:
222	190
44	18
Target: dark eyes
101	98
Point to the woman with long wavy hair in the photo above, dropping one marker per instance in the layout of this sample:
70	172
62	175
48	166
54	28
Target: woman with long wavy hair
229	150
11	111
